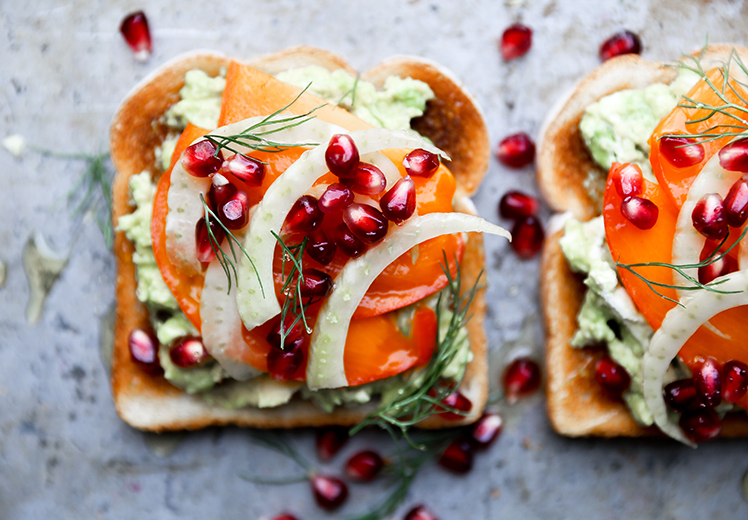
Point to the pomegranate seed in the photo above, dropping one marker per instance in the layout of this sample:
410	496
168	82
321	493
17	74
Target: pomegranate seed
734	156
457	401
612	376
421	163
721	267
708	217
735	380
248	170
366	180
205	253
201	159
707	376
515	41
521	378
458	456
348	243
681	152
641	212
627	178
188	352
420	513
486	430
624	42
234	213
364	466
515	205
341	156
220	192
700	425
293	332
135	30
304	216
681	395
399	203
329	492
285	516
329	441
736	204
336	197
320	248
316	284
527	237
516	151
366	222
144	349
283	364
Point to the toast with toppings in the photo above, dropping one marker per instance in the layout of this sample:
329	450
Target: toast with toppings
452	121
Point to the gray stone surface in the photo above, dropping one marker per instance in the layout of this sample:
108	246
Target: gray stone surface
63	451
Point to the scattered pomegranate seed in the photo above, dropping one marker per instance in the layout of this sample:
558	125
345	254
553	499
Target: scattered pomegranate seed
515	205
736	204
293	332
734	156
486	430
234	213
420	513
624	42
248	170
458	456
201	159
205	253
348	243
285	516
527	237
336	197
135	30
304	217
320	248
329	492
641	212
721	267
627	178
707	376
421	163
342	156
457	401
681	152
283	364
220	192
316	284
708	217
366	222
364	466
612	376
399	203
516	151
521	378
700	425
188	352
366	180
144	349
515	41
734	380
329	441
681	395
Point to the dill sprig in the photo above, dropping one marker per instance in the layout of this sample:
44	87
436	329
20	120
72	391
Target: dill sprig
292	286
351	92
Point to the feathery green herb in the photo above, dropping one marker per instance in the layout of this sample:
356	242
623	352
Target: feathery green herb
292	285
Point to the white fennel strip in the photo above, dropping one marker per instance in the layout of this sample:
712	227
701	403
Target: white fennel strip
326	368
256	296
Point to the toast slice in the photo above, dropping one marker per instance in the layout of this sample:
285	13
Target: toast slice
452	121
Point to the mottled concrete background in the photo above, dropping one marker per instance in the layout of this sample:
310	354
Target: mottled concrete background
63	451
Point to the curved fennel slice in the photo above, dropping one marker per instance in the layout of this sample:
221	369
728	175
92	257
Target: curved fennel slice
256	297
326	368
681	323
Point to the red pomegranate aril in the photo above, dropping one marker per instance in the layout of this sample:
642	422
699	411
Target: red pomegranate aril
521	378
486	430
458	456
320	248
293	332
612	376
329	492
134	29
515	205
248	170
627	178
329	441
681	395
201	159
234	213
734	380
203	243
708	217
366	222
188	352
527	237
640	212
700	425
399	203
515	41
316	284
707	376
336	197
304	217
144	349
364	466
421	163
366	180
348	243
717	268
420	513
458	402
736	204
341	156
220	192
283	363
516	150
624	42
681	152
734	156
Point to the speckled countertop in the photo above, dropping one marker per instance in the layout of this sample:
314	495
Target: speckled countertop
64	453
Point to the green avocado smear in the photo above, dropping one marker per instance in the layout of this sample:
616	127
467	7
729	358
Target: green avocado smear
393	107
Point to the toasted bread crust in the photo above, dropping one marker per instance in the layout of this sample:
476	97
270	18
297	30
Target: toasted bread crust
151	403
